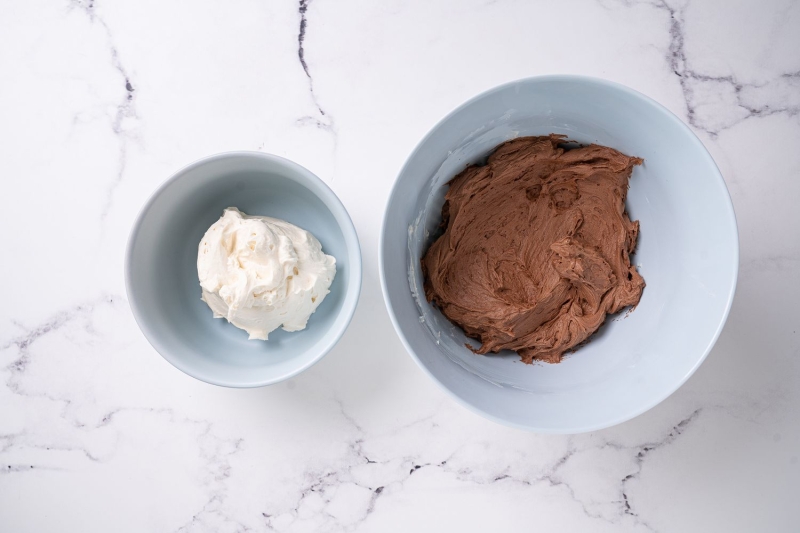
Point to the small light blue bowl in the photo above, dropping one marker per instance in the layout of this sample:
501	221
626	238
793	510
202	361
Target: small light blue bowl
161	268
688	253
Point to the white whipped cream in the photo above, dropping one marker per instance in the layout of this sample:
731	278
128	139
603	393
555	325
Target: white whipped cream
261	273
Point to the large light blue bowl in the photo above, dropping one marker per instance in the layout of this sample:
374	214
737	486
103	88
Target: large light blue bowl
161	268
687	253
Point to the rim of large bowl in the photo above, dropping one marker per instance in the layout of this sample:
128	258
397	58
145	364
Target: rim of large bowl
324	193
730	213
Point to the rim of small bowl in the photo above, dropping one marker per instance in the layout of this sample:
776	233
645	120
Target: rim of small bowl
324	193
731	215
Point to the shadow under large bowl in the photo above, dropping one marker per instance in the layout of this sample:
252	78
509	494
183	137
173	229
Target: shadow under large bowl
687	254
161	268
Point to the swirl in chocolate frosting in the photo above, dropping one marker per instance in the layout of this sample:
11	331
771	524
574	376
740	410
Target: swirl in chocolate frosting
536	247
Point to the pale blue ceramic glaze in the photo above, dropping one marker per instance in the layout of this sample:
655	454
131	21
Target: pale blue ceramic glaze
688	254
161	268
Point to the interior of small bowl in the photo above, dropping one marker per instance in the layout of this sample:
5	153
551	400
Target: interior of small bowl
687	254
162	268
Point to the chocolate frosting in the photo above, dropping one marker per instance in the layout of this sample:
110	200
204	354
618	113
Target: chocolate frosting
536	247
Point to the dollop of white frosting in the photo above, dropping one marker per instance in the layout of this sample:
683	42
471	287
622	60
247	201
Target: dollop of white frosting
261	273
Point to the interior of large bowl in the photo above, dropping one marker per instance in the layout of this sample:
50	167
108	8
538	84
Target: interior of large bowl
687	253
162	277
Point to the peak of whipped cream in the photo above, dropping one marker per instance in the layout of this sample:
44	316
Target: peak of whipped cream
262	273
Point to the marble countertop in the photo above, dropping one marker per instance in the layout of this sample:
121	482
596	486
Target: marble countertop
102	100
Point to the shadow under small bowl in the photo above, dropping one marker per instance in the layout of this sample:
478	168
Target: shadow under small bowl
687	253
161	268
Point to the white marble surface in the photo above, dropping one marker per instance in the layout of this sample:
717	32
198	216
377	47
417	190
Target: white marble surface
101	100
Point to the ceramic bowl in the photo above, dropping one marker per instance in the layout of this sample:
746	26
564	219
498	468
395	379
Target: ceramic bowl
161	268
687	254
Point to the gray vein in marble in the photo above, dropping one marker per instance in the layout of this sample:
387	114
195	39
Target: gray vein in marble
549	476
212	515
324	484
54	323
21	468
324	121
373	477
643	452
126	109
704	93
8	441
15	440
554	479
17	368
215	451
